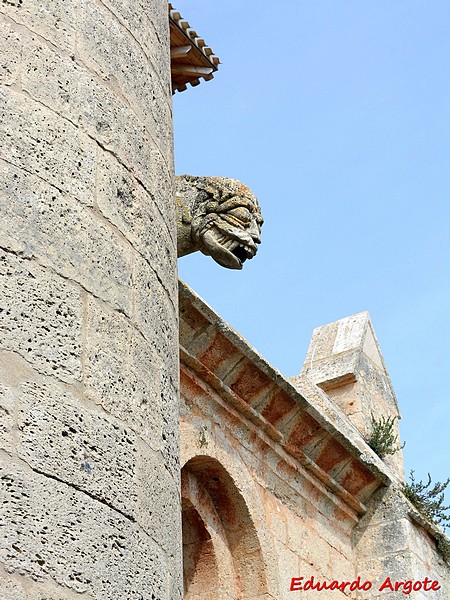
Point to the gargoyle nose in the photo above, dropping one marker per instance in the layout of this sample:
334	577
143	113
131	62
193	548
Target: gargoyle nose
255	232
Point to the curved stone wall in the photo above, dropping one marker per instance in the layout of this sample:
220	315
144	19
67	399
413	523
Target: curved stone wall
89	341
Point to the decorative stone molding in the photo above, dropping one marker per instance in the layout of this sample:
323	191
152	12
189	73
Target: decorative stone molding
300	422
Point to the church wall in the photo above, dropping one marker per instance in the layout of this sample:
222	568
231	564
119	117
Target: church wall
302	529
321	502
307	547
89	348
393	540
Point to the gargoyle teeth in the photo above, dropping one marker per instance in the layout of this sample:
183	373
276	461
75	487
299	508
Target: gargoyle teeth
240	253
232	245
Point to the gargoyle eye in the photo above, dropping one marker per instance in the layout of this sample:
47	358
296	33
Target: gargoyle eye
241	213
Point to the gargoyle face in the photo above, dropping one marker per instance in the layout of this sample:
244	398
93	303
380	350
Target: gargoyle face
227	222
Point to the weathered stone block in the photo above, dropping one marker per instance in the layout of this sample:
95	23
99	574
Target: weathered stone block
159	21
310	547
51	78
7	418
75	93
149	26
88	450
11	589
155	315
41	318
391	537
277	524
123	373
387	505
35	139
170	421
306	571
55	531
41	222
10	51
288	566
21	588
341	567
13	371
54	20
108	48
108	118
159	507
132	209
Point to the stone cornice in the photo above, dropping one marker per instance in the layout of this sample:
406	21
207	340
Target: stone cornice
301	420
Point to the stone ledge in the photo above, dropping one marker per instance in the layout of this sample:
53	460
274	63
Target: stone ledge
301	419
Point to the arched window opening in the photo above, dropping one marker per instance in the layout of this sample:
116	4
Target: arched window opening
222	554
199	561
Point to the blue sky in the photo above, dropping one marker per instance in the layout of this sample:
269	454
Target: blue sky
337	115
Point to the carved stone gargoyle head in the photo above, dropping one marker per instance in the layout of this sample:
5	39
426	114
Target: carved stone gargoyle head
220	217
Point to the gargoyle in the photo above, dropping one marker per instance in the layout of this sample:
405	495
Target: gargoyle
220	217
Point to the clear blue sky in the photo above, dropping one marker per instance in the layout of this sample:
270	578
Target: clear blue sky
337	115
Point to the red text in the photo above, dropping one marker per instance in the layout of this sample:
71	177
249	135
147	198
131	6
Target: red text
298	585
408	586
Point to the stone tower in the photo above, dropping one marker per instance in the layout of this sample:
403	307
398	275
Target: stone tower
89	351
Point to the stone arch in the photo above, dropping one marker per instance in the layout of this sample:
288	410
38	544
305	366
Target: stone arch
221	551
200	567
208	570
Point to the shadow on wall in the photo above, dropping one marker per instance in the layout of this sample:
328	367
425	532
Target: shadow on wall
222	556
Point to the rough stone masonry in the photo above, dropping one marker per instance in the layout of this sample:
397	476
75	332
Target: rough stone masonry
89	361
282	496
279	489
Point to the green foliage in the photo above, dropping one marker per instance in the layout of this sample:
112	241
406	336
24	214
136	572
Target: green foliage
429	502
383	439
443	545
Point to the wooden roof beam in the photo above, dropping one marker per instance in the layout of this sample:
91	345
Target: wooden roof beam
180	51
182	69
191	58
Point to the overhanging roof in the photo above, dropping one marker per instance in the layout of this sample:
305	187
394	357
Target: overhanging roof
191	58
